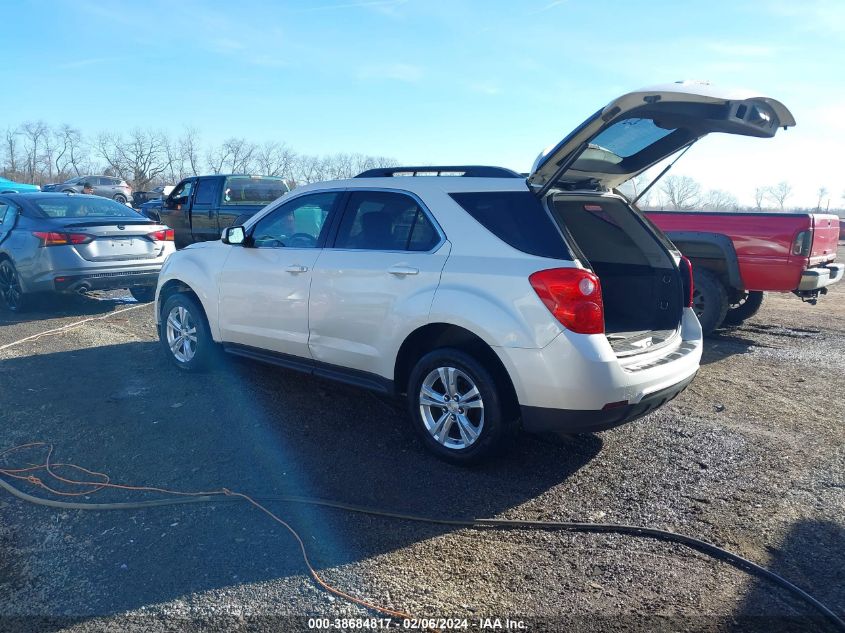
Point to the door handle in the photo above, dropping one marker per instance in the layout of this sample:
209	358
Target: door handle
297	269
402	271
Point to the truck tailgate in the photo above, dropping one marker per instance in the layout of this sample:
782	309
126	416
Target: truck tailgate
825	238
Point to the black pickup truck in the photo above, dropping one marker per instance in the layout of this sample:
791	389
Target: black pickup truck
200	207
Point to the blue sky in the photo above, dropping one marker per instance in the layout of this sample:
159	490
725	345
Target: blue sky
430	81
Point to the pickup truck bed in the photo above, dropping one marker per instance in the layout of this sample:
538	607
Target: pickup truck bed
739	256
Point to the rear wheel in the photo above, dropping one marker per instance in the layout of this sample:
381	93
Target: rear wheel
11	293
709	299
744	307
185	335
456	407
143	294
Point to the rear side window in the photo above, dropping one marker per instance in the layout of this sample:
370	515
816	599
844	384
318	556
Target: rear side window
518	219
253	190
385	221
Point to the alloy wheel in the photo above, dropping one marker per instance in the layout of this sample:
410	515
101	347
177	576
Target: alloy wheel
10	286
181	334
451	407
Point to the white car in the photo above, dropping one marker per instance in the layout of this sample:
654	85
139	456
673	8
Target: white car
491	301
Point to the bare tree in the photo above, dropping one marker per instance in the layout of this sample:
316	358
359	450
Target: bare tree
822	192
682	192
759	197
69	147
779	193
275	159
719	200
34	133
189	150
11	146
140	157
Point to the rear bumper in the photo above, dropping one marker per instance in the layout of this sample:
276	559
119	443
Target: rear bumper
821	277
544	420
106	281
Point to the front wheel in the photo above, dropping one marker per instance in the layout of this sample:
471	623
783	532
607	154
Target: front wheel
185	335
120	198
143	294
456	407
746	306
709	299
11	293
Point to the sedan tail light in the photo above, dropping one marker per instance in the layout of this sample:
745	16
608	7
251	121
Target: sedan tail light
53	238
164	235
688	284
573	296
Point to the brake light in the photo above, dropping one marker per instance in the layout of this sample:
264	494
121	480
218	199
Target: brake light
801	244
53	238
164	235
573	296
688	283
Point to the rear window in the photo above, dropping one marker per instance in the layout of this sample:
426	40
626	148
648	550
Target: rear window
83	207
517	218
252	190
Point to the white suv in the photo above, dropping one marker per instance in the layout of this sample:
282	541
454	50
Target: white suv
491	301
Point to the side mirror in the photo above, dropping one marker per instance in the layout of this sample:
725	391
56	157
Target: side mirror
234	235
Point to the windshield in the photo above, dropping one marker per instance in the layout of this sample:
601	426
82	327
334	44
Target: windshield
83	207
252	190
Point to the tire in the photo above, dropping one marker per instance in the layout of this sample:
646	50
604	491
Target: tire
143	294
120	198
745	307
200	351
455	433
12	296
709	300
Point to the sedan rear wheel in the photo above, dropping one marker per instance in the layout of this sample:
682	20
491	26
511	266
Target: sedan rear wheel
11	293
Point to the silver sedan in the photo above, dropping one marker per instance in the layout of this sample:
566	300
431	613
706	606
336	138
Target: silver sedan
59	242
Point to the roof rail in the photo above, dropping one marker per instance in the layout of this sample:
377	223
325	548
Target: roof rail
467	171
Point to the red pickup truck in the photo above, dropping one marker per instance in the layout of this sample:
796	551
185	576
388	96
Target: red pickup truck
738	256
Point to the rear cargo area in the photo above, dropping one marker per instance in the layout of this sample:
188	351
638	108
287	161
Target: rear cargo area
641	286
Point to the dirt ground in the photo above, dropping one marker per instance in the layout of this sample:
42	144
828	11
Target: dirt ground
750	457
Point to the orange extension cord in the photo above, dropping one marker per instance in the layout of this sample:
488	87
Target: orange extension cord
26	474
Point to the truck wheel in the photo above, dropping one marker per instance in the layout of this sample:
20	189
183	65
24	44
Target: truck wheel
709	300
745	307
457	408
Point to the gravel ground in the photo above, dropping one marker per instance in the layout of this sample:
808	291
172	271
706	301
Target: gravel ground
749	457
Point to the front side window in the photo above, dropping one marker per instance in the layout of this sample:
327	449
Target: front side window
205	191
297	224
385	221
182	192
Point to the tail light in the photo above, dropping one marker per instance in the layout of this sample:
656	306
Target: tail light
573	296
687	280
164	235
801	244
52	238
